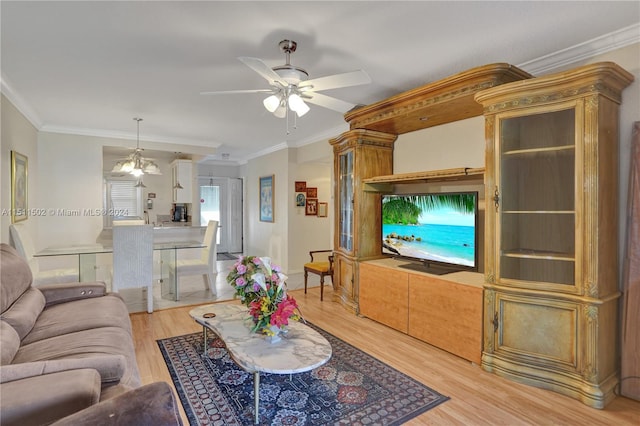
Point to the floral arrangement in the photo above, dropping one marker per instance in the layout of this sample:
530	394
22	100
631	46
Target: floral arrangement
261	287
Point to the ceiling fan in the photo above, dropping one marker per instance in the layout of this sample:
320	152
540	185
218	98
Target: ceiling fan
290	87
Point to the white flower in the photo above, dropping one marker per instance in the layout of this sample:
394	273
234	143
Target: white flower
260	279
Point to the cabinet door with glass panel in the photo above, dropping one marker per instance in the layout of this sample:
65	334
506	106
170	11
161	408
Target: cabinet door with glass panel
345	205
535	198
551	278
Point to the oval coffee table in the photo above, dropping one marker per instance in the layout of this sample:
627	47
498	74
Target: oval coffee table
300	349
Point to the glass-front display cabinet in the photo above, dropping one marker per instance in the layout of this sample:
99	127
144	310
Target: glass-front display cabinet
551	245
358	154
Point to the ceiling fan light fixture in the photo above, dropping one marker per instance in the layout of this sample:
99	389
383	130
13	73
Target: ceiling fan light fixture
297	105
281	111
271	103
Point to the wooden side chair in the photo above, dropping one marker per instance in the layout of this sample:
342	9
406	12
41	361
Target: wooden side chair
321	264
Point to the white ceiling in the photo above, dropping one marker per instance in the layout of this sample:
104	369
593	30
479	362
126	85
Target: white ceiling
90	67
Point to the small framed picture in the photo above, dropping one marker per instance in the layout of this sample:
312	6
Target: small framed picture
301	186
312	192
301	199
322	209
312	207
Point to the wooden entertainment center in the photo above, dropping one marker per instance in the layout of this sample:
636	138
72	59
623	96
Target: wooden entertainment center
544	312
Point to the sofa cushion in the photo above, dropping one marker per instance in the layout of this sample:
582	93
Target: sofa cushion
154	404
15	276
85	344
43	399
24	312
9	343
55	320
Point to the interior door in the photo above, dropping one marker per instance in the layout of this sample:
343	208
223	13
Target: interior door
221	200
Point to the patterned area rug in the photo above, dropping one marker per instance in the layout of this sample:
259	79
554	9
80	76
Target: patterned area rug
353	388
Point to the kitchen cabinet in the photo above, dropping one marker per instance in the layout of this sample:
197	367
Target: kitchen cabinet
182	173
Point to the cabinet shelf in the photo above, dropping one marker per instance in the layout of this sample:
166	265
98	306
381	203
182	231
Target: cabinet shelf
539	254
546	150
385	183
570	212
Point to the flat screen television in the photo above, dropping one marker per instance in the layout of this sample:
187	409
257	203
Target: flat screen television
436	232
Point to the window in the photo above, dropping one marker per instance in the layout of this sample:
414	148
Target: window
122	199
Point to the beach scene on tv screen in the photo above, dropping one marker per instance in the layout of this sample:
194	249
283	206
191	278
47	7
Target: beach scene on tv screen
437	227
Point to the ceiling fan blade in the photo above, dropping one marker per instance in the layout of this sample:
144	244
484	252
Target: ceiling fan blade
263	69
353	78
232	92
327	102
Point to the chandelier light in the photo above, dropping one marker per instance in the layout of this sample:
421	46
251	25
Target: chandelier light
135	163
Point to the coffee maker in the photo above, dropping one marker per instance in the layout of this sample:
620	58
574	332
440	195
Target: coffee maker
179	213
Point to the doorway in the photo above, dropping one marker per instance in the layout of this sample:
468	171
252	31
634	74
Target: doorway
221	200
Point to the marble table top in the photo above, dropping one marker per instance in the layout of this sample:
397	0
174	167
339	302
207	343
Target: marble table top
300	349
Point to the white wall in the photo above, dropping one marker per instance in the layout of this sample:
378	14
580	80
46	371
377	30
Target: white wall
20	135
308	233
267	238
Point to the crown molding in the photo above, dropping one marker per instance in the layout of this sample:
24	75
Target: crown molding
18	101
579	52
127	136
324	136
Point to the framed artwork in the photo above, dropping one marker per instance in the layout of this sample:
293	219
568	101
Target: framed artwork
312	192
19	169
301	186
301	199
266	198
322	209
312	207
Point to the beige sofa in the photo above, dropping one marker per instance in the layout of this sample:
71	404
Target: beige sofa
67	347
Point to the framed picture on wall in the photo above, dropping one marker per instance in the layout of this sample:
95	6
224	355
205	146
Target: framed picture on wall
301	199
266	198
312	207
322	209
301	186
19	174
312	192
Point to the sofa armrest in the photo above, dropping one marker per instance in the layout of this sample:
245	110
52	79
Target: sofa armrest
154	404
111	368
45	398
67	292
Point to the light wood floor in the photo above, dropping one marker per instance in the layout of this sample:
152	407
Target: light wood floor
477	397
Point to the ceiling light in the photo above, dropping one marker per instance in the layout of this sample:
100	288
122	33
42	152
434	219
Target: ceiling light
271	103
135	163
297	104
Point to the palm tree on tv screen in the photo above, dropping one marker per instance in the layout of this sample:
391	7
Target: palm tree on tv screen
407	209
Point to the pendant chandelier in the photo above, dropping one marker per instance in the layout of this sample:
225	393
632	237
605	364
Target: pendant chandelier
135	163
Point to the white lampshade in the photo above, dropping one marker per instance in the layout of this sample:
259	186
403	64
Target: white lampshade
281	111
297	104
271	103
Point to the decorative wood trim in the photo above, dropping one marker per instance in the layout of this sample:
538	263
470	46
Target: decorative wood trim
443	101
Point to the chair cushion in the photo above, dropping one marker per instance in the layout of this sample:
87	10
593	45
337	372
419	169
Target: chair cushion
85	314
317	266
83	344
15	276
24	312
43	399
9	343
192	267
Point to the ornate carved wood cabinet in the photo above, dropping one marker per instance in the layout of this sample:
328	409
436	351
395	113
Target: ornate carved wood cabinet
551	245
358	154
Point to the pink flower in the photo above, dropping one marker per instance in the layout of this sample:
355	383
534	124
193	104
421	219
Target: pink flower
257	261
241	269
241	282
284	311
